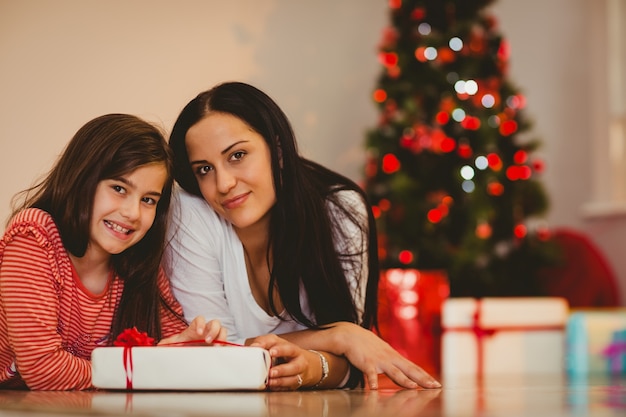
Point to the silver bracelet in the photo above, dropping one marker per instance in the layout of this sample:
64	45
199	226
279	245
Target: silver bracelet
325	371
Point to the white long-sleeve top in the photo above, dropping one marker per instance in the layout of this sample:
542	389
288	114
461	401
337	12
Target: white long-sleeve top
205	261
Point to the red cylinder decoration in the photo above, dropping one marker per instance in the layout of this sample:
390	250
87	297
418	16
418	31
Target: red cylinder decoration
409	314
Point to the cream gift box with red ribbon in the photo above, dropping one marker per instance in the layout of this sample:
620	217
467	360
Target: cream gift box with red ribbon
503	336
204	368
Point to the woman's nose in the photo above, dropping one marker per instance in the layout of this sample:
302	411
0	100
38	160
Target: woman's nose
225	181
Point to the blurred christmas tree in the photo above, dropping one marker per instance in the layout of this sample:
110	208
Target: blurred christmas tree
450	172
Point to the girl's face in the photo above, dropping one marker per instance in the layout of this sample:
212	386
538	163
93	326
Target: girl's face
232	164
124	209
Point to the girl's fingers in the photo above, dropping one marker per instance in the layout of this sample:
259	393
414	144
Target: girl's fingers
214	331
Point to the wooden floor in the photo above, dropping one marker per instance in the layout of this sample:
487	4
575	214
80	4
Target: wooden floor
538	396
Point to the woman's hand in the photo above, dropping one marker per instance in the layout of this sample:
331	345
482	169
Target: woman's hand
372	355
293	367
199	329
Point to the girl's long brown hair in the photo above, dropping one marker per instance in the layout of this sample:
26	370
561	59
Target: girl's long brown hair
108	147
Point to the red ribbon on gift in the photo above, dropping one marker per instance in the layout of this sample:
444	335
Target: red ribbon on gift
481	333
130	338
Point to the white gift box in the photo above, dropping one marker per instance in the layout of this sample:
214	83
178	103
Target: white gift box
206	368
497	336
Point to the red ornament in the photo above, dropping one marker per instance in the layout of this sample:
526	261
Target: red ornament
483	230
405	257
389	38
390	163
442	117
418	13
464	151
420	54
434	215
513	173
445	55
494	161
525	172
448	144
388	59
519	231
379	95
495	188
508	127
384	204
376	212
395	4
471	123
518	172
520	157
504	51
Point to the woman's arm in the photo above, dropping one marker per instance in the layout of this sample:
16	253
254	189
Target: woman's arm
367	352
192	262
175	328
297	368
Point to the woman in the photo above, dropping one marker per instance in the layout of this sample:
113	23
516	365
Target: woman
268	242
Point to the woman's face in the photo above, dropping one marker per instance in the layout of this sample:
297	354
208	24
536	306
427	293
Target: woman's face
232	164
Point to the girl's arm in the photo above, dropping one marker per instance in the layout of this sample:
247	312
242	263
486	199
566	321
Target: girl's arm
30	290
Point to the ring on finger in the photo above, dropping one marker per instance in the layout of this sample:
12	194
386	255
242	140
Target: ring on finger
299	380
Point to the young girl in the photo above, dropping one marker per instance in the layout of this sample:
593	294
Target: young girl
79	261
269	242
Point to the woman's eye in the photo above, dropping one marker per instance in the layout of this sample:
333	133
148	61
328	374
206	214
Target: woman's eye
119	189
203	170
238	155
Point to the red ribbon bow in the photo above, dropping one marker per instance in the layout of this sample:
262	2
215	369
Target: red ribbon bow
133	337
129	338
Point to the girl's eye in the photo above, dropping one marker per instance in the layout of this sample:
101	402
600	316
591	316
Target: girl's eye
149	200
237	156
119	189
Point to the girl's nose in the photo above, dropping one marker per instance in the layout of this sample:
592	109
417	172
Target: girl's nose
130	209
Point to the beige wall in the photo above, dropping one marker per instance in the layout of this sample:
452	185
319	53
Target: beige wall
63	62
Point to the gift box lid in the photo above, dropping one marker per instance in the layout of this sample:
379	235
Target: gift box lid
504	311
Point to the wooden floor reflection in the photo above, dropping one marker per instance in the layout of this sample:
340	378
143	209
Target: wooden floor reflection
552	396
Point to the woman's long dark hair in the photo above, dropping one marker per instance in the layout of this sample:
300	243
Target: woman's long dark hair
106	147
301	228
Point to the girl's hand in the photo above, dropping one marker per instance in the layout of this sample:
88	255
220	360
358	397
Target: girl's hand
293	367
199	329
373	356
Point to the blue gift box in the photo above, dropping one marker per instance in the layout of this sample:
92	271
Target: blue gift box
596	342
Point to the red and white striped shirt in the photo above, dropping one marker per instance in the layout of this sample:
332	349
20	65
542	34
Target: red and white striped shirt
49	322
